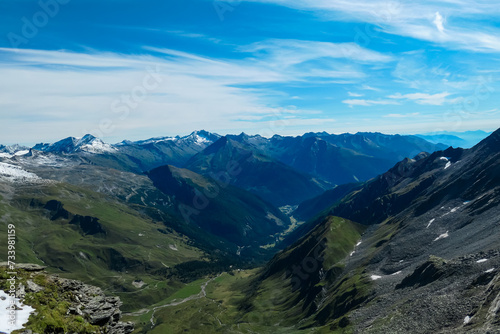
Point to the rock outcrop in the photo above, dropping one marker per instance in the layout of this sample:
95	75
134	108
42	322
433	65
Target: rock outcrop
87	301
91	303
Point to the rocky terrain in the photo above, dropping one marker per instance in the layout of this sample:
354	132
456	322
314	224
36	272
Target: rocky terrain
80	306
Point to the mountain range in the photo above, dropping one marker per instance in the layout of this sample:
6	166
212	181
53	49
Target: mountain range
282	170
465	139
350	233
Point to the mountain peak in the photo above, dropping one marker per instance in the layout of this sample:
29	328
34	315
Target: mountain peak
201	137
87	143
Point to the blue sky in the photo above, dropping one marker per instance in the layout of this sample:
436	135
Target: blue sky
122	69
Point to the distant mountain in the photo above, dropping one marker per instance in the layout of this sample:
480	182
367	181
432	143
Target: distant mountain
282	170
456	139
345	158
13	150
87	143
138	157
341	158
321	158
200	138
148	154
251	170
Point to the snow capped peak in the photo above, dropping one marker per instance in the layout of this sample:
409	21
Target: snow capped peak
85	140
90	144
154	140
97	146
13	151
87	143
200	137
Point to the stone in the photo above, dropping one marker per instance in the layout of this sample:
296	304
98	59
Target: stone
33	287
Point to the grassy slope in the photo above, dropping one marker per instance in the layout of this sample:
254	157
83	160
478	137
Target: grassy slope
262	300
132	240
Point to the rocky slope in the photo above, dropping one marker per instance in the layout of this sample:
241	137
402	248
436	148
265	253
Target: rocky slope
80	307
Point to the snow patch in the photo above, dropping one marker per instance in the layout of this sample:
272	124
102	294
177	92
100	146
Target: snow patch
15	173
442	236
97	146
443	158
481	261
354	251
23	152
375	277
453	210
430	222
466	320
5	155
396	273
201	140
140	234
22	314
173	247
489	270
448	164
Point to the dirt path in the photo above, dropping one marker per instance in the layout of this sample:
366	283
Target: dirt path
201	294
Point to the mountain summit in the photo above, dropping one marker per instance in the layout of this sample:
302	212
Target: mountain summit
87	143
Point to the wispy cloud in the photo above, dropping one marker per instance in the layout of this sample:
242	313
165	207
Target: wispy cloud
366	87
53	88
422	20
291	51
438	22
323	62
368	103
351	94
424	98
401	115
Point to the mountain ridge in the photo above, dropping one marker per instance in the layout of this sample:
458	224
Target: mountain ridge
431	220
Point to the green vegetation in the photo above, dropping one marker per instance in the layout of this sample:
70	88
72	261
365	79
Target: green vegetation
190	289
218	312
341	238
263	301
51	305
132	249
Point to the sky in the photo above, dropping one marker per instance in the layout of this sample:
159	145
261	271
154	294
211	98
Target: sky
122	69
